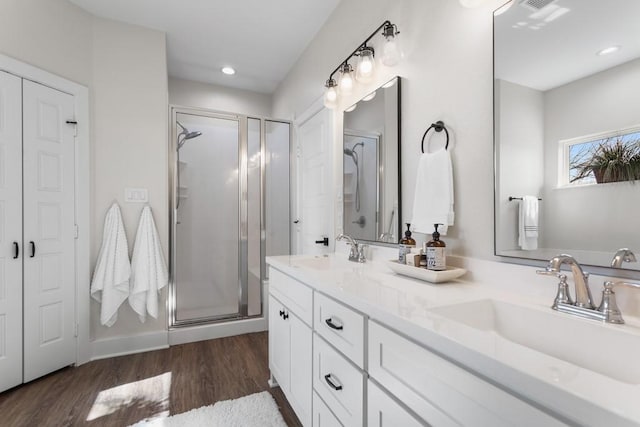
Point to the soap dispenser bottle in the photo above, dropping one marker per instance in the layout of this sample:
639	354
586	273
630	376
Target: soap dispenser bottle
406	243
436	258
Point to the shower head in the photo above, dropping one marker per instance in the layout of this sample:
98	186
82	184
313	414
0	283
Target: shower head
186	135
351	152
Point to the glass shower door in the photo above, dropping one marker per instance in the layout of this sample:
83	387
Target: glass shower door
207	248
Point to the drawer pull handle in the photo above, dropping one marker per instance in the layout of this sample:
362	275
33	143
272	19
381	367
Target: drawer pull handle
16	250
285	316
282	313
327	378
332	325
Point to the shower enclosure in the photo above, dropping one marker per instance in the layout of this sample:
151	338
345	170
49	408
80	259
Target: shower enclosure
229	209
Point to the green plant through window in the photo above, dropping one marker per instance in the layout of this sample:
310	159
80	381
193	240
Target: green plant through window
610	159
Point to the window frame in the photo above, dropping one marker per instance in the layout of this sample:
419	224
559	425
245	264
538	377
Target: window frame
564	146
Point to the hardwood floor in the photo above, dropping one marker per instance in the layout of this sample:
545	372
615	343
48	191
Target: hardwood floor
200	374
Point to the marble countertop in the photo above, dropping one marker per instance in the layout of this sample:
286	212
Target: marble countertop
576	394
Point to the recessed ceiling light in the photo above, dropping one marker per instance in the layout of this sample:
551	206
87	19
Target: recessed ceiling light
229	71
608	50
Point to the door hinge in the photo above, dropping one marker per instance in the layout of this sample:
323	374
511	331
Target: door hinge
75	231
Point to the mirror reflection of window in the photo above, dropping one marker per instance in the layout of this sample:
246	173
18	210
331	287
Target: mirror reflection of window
567	96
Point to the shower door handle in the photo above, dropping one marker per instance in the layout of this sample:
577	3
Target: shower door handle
324	241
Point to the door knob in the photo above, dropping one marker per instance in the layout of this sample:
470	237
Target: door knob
324	241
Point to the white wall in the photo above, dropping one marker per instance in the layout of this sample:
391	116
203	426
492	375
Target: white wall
520	138
125	69
447	75
130	144
583	217
54	35
188	93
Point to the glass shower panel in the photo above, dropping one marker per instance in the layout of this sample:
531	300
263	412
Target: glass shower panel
277	167
254	247
207	240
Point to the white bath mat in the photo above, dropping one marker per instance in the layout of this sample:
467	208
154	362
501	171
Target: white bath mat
255	410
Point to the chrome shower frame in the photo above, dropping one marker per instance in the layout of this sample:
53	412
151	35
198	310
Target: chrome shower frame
243	291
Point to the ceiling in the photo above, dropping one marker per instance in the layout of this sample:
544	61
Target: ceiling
541	52
261	39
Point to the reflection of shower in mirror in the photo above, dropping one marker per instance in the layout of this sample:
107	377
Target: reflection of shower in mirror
351	152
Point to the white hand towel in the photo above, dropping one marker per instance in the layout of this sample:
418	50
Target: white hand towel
110	283
528	223
433	197
148	268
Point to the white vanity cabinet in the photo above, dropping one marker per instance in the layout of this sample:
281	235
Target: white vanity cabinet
440	392
340	367
290	341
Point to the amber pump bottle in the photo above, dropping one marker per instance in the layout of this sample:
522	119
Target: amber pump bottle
406	243
436	258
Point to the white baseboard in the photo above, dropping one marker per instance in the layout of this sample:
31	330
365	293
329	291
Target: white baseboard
217	330
120	346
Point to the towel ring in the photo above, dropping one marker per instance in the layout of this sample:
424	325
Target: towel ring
438	127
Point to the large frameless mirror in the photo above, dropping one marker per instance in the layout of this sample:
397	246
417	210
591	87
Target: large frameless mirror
567	129
371	184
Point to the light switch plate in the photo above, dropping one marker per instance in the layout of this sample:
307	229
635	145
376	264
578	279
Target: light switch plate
136	195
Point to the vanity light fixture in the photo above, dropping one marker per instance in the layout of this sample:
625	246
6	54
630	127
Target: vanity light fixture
391	55
366	64
331	94
345	84
229	71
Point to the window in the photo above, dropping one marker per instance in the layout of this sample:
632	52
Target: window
601	158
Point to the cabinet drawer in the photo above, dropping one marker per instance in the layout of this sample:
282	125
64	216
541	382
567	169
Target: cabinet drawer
296	296
322	416
383	411
339	383
341	326
440	392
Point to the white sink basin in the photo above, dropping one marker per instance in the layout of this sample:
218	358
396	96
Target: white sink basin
609	350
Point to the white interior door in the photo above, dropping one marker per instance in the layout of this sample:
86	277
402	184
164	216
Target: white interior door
315	185
49	218
11	249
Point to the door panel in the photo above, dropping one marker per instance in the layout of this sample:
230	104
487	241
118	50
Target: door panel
49	265
279	344
316	207
10	231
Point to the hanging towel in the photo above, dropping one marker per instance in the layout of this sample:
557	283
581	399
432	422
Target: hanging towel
433	199
528	223
148	268
110	283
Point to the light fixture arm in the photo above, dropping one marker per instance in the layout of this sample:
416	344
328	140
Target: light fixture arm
389	29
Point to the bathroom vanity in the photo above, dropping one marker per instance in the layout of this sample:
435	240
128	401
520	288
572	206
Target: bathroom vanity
353	344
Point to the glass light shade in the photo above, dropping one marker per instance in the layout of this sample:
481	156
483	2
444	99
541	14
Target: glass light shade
366	65
330	94
345	85
391	53
350	109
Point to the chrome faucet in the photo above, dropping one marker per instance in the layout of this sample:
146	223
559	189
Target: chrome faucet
356	253
623	255
607	311
580	278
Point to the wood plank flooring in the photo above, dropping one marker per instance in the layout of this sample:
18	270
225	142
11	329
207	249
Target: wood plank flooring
201	373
